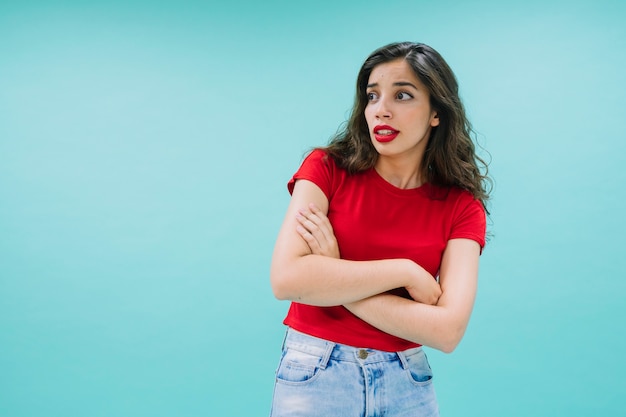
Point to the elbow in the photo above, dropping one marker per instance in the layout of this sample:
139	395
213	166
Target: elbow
280	283
278	288
449	346
451	339
280	293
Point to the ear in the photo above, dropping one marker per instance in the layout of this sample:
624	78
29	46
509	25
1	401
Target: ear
434	119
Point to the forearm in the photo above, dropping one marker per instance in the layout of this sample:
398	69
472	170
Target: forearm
436	326
324	281
306	265
440	326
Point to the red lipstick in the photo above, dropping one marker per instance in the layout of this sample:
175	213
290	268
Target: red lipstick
384	133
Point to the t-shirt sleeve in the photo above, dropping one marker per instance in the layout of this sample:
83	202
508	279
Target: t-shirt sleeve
470	220
318	168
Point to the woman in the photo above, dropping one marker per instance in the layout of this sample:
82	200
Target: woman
379	248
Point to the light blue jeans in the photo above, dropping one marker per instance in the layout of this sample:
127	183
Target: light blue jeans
316	377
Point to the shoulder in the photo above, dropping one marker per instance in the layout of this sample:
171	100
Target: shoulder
467	215
318	160
320	168
458	204
452	195
465	202
321	157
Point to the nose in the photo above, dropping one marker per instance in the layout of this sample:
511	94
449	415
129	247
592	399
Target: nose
383	110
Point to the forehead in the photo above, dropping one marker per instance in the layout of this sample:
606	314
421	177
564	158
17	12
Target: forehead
393	71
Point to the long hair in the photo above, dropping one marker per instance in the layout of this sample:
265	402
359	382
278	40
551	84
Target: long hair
450	158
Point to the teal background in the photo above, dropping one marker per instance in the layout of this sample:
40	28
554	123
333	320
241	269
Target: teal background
144	152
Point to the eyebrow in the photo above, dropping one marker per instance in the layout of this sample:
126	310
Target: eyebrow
404	84
396	84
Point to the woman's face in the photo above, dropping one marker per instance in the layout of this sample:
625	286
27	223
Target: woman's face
398	113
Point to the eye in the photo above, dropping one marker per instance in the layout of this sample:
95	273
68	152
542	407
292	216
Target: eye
372	96
403	95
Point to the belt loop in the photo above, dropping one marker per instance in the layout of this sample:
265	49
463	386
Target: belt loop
324	360
403	361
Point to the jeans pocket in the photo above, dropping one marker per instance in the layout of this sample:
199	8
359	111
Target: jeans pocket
418	368
297	367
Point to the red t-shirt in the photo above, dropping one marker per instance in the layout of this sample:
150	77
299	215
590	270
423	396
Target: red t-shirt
372	219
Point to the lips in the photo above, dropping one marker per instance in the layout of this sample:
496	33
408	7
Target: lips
384	133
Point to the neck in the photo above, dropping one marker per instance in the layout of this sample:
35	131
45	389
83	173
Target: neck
401	174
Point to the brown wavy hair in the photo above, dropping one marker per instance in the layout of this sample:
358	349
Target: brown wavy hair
450	158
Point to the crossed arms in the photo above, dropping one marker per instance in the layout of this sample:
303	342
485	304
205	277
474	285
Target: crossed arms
306	268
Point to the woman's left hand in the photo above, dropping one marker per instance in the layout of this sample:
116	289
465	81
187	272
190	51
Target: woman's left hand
316	230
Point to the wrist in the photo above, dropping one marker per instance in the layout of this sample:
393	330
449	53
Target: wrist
411	274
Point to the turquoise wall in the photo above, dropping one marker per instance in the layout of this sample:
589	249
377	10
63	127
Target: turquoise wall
144	152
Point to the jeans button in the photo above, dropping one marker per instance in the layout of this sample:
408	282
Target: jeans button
363	354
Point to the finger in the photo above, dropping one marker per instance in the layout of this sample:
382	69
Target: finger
315	211
321	216
307	222
314	245
321	241
313	224
317	217
321	245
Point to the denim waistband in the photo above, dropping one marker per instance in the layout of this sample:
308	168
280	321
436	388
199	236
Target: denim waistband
330	350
